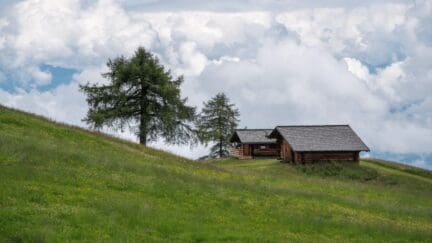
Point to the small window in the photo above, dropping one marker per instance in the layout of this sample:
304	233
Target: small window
263	147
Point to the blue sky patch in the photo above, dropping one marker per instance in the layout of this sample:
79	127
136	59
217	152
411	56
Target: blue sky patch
59	76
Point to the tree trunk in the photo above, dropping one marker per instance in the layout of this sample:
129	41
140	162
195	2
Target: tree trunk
220	147
143	116
220	132
143	130
143	140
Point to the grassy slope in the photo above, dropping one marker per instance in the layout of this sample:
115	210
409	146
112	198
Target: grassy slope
59	183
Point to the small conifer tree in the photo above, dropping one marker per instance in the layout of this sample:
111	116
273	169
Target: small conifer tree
216	123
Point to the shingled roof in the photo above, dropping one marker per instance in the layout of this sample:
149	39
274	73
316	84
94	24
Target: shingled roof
321	138
252	136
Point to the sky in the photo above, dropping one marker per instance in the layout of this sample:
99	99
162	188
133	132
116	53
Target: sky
363	63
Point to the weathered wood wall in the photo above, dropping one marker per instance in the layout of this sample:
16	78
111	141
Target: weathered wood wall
249	151
235	152
267	150
242	152
286	152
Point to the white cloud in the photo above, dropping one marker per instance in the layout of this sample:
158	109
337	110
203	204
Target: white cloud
65	34
192	61
92	75
346	31
206	28
245	5
387	80
358	69
65	103
40	77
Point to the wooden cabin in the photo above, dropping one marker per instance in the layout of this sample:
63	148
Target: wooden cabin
253	143
318	143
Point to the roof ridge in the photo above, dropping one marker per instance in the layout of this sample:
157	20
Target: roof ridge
253	129
329	125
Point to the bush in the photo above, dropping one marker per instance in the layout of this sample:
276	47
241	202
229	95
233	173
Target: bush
340	169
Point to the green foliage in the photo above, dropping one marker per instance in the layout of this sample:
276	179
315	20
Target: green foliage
65	184
216	123
340	169
143	96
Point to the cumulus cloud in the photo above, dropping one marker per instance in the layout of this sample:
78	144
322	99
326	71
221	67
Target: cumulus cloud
244	5
291	84
366	64
358	69
192	61
64	103
365	32
92	75
64	33
40	77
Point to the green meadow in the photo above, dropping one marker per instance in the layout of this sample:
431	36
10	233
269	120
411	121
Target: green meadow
60	183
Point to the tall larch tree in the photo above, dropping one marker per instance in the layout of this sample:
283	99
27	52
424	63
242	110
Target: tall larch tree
143	96
216	123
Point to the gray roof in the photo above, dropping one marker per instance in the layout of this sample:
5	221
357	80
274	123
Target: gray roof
253	136
321	138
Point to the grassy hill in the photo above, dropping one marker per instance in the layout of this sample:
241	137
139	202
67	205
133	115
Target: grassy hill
59	183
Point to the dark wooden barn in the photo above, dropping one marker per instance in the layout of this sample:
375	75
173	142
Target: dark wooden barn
318	143
252	143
